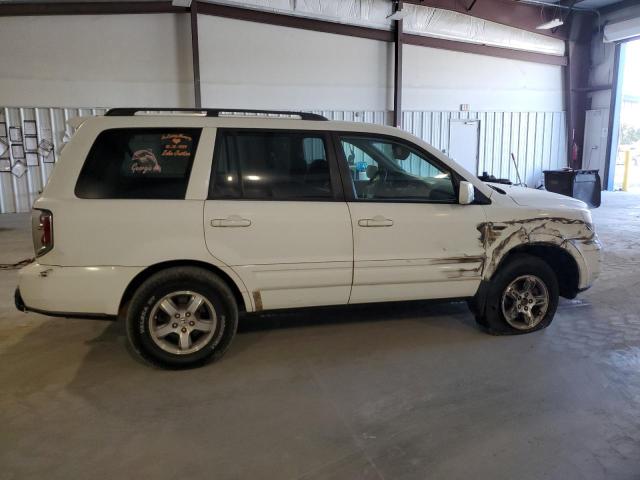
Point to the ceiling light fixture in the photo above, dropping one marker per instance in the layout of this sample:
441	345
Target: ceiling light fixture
398	14
556	22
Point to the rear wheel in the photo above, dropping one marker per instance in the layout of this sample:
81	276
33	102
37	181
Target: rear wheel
522	297
182	317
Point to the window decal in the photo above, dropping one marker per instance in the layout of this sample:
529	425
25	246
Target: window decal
144	161
176	145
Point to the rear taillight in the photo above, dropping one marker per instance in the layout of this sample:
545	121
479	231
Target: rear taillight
42	231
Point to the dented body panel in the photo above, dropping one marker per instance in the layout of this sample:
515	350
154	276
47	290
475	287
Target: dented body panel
545	219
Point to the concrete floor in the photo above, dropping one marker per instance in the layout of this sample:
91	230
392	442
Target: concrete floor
408	391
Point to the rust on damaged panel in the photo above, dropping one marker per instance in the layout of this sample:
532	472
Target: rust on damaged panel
461	272
451	260
466	272
499	237
257	300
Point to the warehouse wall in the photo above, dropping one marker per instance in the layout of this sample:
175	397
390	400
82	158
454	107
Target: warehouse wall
442	80
537	140
249	64
354	73
138	60
114	60
96	60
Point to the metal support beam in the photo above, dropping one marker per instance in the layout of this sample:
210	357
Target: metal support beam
613	132
195	52
576	100
88	8
397	71
579	54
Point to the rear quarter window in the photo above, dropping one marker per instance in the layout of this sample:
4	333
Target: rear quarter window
139	163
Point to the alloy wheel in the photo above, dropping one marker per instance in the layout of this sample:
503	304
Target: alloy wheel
182	322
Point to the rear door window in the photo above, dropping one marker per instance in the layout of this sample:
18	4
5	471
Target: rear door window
270	165
139	163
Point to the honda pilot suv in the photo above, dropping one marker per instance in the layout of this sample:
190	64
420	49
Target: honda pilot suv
177	221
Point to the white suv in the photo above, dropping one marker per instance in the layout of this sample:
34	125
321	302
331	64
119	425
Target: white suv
178	220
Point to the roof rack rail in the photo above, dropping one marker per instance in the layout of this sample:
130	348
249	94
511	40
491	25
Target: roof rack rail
216	112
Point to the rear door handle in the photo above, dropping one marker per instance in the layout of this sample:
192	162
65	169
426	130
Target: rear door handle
377	221
231	221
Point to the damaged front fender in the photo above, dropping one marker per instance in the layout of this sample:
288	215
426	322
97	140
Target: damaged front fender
500	238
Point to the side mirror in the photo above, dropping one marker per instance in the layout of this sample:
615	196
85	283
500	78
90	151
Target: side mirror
371	171
465	195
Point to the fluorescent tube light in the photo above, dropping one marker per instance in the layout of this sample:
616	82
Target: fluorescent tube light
556	22
398	14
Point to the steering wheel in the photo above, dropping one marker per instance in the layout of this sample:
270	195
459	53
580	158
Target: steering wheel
377	174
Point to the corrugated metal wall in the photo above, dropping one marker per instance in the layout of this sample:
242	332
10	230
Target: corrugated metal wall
537	139
30	141
33	137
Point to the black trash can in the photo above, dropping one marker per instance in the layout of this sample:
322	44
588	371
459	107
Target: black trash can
581	184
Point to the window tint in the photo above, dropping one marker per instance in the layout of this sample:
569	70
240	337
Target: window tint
384	169
270	166
139	163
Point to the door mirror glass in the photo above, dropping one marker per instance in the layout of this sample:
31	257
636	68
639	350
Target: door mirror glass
465	195
372	170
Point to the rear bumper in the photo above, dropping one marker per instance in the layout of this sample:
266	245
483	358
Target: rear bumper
23	308
89	292
17	298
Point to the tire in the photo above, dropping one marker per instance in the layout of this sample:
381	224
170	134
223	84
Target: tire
182	317
514	297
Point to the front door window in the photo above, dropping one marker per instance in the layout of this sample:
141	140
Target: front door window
387	170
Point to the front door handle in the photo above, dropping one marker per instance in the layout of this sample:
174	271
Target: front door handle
231	221
377	221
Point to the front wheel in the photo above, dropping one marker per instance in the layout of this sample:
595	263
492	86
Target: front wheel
182	317
522	297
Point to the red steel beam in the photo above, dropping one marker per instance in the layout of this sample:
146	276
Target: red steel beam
397	71
88	8
195	53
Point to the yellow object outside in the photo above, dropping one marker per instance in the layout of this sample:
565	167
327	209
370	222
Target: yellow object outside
625	178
